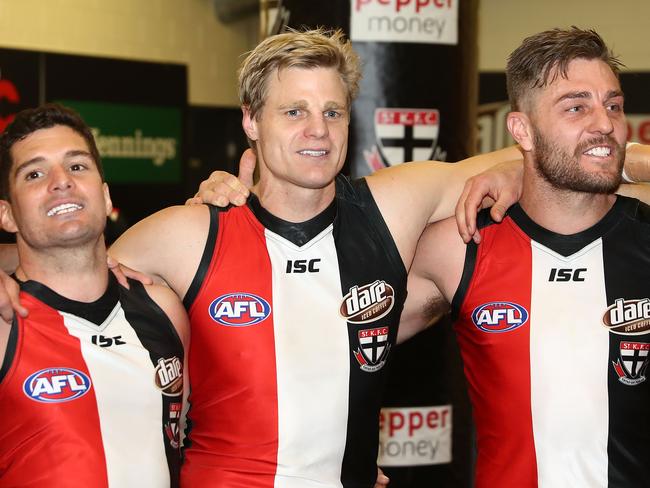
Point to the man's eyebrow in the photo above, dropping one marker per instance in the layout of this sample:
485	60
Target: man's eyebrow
301	104
586	95
574	95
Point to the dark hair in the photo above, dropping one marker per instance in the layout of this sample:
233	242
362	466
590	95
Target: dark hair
44	117
541	58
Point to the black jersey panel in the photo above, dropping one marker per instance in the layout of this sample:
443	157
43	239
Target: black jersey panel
368	259
626	255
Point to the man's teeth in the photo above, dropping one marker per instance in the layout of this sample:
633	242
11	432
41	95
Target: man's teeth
62	209
308	152
599	151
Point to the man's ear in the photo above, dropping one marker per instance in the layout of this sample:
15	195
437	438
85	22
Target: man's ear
107	199
249	124
7	217
520	127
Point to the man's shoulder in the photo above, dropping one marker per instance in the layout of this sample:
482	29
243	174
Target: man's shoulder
634	209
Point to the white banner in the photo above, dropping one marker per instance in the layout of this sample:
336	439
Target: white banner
415	436
419	21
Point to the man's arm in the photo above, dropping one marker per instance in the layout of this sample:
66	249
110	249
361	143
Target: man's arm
411	195
637	162
433	278
169	302
5	328
637	169
167	245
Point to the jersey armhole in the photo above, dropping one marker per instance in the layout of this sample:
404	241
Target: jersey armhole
483	219
206	258
10	351
374	215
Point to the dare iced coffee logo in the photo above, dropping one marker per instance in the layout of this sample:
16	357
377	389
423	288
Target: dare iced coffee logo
419	21
628	317
368	303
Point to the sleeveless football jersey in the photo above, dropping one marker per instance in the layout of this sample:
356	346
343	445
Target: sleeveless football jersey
90	393
555	332
292	325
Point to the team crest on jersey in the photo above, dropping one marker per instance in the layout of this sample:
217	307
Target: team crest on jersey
368	303
632	362
239	309
628	317
172	426
373	348
499	316
56	385
406	134
169	376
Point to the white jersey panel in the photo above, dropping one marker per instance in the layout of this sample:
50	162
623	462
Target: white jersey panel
568	342
311	341
135	457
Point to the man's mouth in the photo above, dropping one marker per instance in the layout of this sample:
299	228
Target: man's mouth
599	151
64	208
317	153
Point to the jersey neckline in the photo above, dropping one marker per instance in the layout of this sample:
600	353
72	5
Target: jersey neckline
96	312
566	244
298	233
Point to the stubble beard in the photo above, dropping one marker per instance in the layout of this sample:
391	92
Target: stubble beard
563	171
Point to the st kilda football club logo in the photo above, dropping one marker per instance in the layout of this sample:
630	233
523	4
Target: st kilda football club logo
373	348
404	134
632	362
363	305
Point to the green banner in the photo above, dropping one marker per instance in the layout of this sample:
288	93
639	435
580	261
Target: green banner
138	144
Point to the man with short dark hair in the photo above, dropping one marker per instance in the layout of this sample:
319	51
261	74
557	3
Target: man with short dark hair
91	381
549	306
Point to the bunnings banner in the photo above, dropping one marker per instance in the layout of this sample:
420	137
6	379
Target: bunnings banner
138	144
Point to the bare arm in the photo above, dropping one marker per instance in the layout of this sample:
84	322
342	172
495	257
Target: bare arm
167	245
5	328
637	162
433	278
169	302
412	195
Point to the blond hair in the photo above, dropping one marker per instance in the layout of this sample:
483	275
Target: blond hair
310	49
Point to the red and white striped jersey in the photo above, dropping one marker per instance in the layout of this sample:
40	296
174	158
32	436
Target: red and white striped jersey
555	332
292	325
90	394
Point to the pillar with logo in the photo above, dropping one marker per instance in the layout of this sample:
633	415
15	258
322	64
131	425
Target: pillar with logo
417	101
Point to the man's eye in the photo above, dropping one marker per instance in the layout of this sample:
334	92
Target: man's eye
332	114
293	112
77	167
32	175
575	109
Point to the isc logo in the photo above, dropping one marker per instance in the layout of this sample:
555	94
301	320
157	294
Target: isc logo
303	266
567	274
239	309
499	316
55	385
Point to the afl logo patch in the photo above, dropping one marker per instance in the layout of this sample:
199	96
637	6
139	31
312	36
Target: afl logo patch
56	385
499	316
239	309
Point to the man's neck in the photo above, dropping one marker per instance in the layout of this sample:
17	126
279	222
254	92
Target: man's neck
292	203
562	211
79	274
